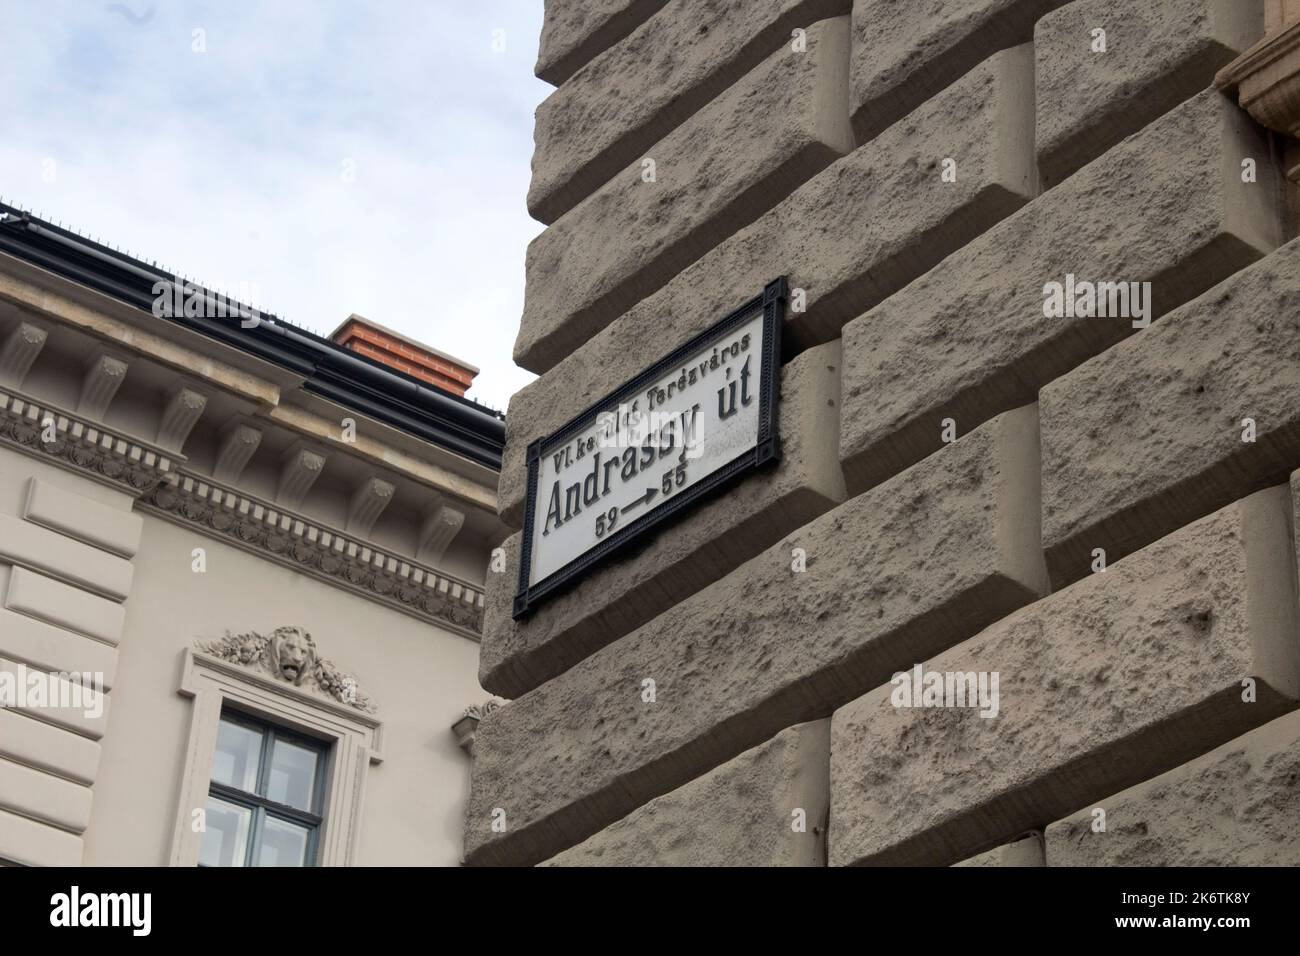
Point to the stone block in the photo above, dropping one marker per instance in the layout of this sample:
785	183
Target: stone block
29	843
574	31
1148	436
1124	675
30	545
35	743
640	89
719	171
44	797
890	577
766	807
1027	851
82	518
47	647
905	51
971	338
64	606
1156	55
1235	806
854	234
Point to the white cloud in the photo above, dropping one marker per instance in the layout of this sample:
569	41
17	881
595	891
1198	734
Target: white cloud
229	164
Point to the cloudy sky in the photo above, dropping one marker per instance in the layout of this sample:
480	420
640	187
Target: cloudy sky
336	157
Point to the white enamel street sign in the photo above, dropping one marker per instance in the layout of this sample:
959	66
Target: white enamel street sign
683	429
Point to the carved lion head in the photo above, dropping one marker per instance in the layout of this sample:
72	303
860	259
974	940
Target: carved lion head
293	653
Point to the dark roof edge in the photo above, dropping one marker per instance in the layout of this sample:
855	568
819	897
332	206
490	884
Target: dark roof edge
331	371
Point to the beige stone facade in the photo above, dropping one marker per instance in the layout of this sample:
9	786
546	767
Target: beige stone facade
1084	513
203	534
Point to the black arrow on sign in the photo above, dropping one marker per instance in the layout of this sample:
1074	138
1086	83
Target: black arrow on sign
643	500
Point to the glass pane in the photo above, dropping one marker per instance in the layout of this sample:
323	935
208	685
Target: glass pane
293	775
235	760
283	844
225	838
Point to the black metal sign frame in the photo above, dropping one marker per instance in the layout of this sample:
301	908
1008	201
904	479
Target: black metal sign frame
767	449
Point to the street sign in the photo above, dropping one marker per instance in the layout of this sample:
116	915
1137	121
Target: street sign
695	421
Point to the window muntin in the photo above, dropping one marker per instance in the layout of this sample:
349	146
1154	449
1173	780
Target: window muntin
264	799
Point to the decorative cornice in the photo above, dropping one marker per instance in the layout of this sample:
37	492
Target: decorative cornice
299	470
103	377
152	474
19	351
238	442
289	654
441	525
466	727
1266	81
179	417
368	503
127	464
313	548
479	711
1265	53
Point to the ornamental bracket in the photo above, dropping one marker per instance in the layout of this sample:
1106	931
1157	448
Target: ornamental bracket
1266	78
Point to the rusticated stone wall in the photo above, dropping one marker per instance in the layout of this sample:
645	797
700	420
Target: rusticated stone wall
1086	521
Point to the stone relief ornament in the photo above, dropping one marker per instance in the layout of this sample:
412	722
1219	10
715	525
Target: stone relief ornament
289	654
136	477
479	711
465	727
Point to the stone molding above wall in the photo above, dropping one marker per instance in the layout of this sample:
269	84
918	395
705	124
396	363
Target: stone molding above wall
465	727
127	464
323	552
153	476
1266	79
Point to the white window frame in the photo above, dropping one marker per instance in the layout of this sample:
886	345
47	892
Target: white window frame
354	740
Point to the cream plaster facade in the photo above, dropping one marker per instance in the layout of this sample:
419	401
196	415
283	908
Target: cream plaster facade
160	489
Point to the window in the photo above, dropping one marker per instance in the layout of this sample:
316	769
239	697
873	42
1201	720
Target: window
264	799
347	739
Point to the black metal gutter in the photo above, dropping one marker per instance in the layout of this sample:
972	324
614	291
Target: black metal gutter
329	370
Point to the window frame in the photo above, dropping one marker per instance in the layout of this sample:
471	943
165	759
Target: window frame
263	806
352	738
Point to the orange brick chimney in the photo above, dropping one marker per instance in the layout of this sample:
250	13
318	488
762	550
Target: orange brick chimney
405	355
